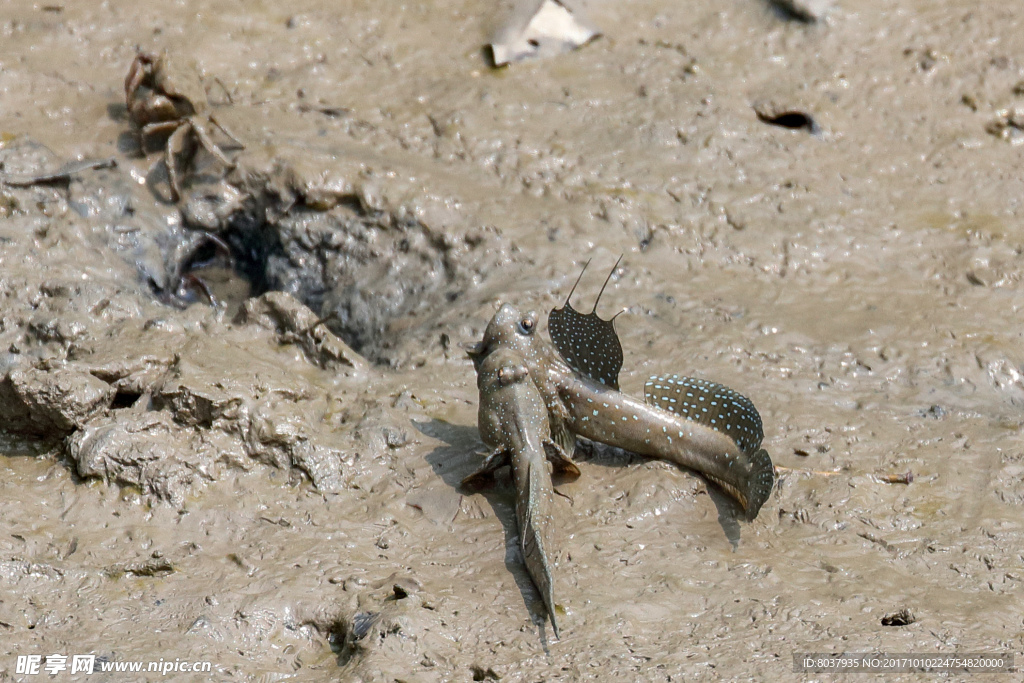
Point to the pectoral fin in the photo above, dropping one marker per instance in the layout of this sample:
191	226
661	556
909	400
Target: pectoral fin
561	436
483	475
561	462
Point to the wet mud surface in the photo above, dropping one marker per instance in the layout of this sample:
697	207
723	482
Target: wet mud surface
825	216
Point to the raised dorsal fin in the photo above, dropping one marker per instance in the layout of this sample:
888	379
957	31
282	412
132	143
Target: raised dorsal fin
586	342
709	403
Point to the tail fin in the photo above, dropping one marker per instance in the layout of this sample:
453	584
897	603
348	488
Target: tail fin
762	480
535	528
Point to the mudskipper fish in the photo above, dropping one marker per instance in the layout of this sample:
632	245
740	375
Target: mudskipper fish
514	423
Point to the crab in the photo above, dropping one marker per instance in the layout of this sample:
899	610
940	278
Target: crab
163	99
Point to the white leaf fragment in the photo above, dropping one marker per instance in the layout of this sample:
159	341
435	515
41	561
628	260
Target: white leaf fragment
540	28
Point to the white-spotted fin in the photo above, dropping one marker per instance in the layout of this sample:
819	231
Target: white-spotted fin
709	403
586	342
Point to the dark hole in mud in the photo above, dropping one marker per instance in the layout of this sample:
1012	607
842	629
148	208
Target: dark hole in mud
791	10
794	120
212	251
338	643
215	271
344	637
125	399
374	270
360	271
482	674
249	255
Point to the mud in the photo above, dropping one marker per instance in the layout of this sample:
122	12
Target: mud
194	469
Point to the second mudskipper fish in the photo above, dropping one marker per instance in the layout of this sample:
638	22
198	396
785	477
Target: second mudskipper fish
514	423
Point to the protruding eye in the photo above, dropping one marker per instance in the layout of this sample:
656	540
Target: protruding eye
526	325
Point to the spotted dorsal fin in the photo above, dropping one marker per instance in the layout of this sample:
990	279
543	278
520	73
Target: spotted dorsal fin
709	403
586	342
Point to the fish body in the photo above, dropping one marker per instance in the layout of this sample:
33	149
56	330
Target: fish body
514	423
727	452
617	419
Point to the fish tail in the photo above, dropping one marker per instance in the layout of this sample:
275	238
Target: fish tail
761	482
753	489
533	532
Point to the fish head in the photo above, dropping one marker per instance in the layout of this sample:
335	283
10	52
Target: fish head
509	329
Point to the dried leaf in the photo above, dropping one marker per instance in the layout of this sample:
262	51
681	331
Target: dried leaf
539	28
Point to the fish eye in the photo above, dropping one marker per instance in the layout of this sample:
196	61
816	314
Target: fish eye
526	325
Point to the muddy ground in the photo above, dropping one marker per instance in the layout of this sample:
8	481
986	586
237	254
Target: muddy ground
226	484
